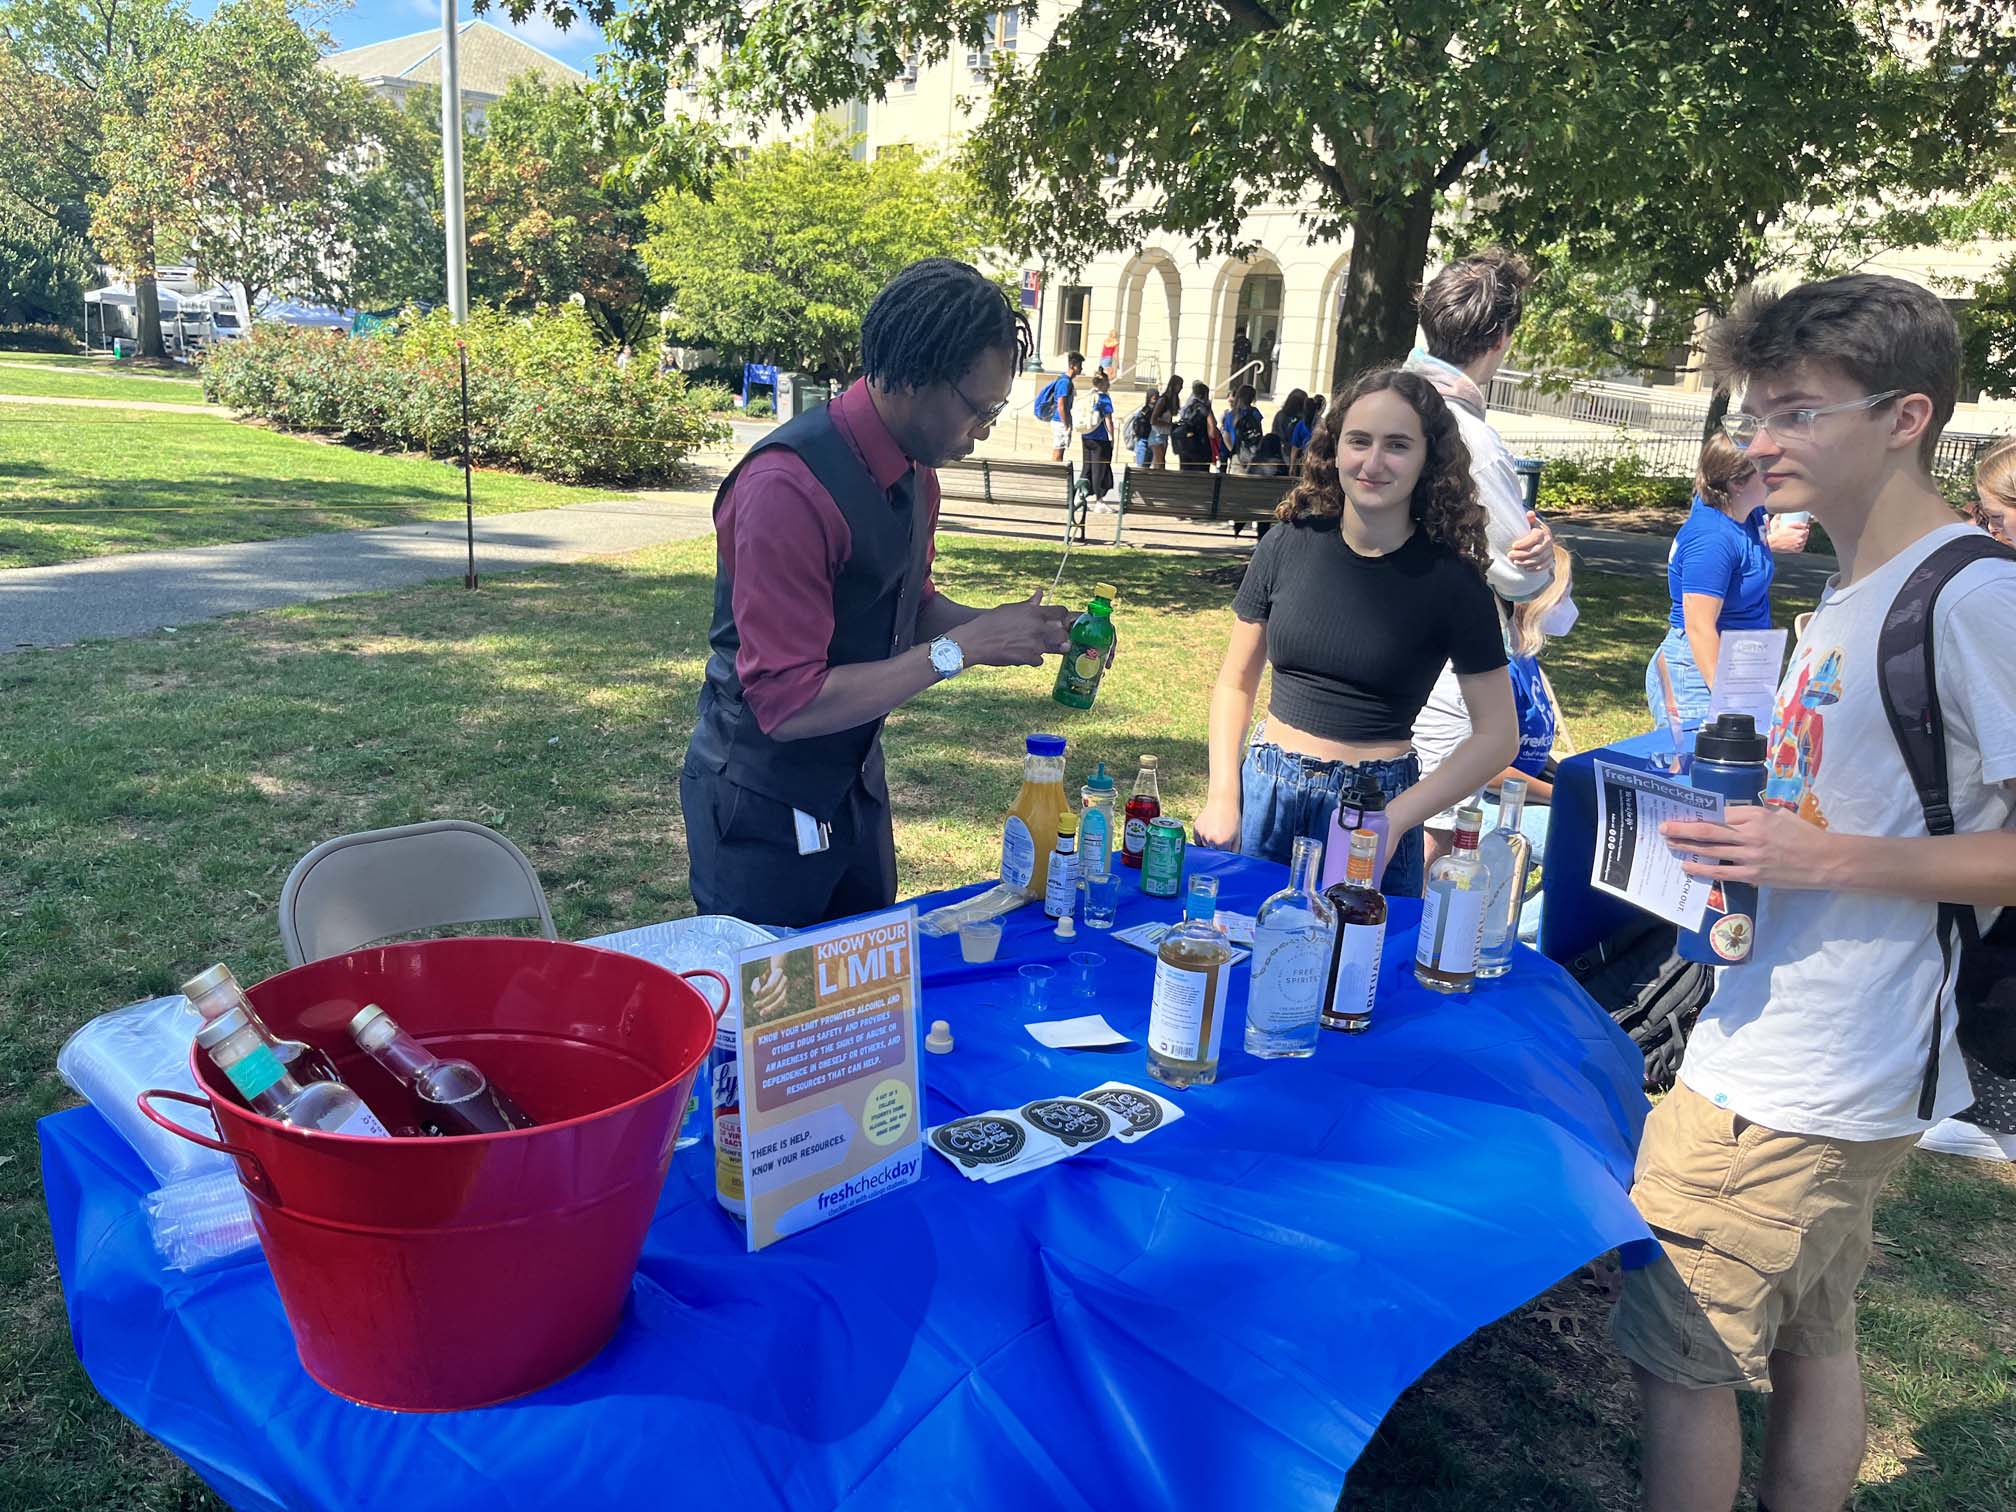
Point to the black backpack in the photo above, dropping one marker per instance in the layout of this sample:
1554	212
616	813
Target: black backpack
1246	433
1639	979
1137	427
1985	991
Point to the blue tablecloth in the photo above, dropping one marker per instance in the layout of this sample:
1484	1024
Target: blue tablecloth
1216	1316
1577	916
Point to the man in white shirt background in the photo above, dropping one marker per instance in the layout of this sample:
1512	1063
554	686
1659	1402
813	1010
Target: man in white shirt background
1804	1083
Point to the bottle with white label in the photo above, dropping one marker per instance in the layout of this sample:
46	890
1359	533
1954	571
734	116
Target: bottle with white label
1032	820
1187	1018
1291	949
1353	984
244	1053
1060	893
1095	824
1452	912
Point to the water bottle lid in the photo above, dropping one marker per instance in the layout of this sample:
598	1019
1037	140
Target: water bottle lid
1105	591
1045	745
221	1028
1100	780
372	1027
1368	798
1729	737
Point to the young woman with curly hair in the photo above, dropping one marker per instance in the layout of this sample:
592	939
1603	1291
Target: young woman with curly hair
1373	580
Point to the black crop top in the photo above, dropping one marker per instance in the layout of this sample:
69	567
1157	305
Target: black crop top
1356	643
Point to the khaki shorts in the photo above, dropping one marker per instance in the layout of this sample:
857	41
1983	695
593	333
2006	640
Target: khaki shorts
1764	1234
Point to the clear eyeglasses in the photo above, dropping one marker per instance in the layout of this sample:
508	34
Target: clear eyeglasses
1794	424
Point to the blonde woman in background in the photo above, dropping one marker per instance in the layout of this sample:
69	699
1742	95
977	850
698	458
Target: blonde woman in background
1995	490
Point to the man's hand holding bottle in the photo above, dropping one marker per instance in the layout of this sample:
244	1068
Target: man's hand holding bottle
1015	635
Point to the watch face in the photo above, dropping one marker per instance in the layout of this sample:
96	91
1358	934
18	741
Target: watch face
946	657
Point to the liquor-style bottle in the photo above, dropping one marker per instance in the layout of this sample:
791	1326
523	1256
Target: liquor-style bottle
1187	1018
243	1051
1060	893
214	992
1092	638
1353	984
1452	912
1291	948
1507	859
452	1096
1146	804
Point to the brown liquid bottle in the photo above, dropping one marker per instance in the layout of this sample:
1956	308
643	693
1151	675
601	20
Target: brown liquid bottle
450	1096
1361	937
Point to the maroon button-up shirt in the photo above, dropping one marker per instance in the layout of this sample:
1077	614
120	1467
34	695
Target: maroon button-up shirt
782	542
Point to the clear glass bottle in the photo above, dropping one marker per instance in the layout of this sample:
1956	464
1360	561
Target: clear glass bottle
243	1051
214	992
1187	1018
1507	859
452	1096
1291	948
1353	984
1452	912
1145	804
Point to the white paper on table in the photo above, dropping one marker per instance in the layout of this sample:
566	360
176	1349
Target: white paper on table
1632	860
1084	1033
1148	937
1746	676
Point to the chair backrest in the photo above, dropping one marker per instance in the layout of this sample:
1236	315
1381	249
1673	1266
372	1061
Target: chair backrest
359	888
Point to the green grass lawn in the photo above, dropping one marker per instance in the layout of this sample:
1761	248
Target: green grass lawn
154	794
26	376
81	482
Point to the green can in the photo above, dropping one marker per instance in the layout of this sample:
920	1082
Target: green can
1162	860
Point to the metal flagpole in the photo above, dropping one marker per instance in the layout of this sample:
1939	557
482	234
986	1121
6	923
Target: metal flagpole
451	166
469	470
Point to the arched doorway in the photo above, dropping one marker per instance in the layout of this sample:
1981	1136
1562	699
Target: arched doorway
1249	325
1151	315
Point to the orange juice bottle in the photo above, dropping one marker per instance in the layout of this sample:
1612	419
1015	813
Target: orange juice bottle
1026	839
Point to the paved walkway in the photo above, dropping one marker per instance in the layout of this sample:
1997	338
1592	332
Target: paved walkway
145	591
115	404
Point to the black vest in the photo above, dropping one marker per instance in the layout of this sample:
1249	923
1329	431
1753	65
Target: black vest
875	601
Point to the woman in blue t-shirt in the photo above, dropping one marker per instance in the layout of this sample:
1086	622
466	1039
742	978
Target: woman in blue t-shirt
1719	576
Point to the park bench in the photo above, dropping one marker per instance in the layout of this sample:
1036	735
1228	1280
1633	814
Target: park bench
995	482
1226	497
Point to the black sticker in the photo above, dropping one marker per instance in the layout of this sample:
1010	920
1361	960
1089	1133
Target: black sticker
1070	1119
1141	1111
985	1140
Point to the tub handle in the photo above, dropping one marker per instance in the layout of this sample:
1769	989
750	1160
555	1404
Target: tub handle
727	991
250	1171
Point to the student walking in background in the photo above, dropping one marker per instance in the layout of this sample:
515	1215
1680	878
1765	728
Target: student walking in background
1162	422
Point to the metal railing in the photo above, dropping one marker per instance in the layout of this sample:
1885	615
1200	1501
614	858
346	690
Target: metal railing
1677	455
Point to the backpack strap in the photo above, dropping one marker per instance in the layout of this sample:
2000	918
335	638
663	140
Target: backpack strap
1908	677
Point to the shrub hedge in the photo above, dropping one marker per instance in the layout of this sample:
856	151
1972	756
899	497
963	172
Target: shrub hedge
545	396
39	338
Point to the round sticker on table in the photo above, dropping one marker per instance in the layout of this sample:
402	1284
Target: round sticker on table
985	1140
1070	1119
1141	1111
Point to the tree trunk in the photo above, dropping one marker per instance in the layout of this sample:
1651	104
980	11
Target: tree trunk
147	316
1375	318
1718	406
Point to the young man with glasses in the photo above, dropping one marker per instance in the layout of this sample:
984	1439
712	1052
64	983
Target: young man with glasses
1820	1060
825	614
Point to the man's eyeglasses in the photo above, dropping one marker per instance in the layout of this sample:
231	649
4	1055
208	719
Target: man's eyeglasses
982	417
1795	424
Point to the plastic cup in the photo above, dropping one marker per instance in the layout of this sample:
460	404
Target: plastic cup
1086	966
1036	987
980	943
1102	900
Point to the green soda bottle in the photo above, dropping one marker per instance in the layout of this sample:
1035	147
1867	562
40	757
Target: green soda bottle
1091	648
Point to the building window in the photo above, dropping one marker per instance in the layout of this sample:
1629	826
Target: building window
906	79
1074	306
1001	35
896	150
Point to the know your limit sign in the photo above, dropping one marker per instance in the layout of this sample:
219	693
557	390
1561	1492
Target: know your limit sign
831	1109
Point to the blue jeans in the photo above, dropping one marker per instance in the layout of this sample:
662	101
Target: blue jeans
1284	798
1689	690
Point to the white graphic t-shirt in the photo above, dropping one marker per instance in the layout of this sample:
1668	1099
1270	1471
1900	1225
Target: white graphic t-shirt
1825	1030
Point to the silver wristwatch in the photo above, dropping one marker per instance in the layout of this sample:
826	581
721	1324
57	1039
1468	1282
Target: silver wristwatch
946	657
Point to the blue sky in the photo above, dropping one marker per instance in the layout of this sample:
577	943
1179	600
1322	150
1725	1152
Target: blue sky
375	20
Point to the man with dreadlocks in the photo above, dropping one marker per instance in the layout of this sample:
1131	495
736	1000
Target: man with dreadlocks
825	614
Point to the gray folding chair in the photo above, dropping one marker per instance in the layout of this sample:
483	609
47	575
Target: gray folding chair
359	888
